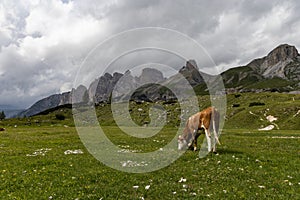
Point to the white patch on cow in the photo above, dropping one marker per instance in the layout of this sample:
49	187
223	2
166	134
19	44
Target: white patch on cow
267	128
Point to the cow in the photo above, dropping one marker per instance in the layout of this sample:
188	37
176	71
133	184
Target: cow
2	129
208	119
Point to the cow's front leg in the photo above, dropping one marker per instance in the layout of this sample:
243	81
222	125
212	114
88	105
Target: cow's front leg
206	130
196	135
208	140
214	148
195	144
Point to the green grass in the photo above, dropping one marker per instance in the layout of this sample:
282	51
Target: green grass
272	83
250	165
283	106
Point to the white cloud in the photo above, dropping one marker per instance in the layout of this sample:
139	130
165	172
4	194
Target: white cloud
42	43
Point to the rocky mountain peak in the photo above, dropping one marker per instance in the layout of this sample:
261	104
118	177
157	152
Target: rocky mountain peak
191	72
282	62
191	64
281	53
151	75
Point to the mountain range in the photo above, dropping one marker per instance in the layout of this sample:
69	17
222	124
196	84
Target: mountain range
279	71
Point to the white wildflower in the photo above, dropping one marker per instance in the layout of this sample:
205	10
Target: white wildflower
39	152
261	186
147	187
77	151
182	180
135	187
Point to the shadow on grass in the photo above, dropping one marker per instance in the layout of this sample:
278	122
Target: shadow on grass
228	151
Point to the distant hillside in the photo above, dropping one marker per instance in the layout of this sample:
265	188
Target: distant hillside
10	111
279	71
244	111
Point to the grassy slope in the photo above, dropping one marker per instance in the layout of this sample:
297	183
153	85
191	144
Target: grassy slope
240	76
282	106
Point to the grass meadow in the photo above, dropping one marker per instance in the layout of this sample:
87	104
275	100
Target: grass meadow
41	163
42	157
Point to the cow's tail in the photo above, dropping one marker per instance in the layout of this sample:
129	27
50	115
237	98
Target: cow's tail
215	123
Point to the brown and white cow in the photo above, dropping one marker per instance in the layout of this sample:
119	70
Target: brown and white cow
208	120
2	129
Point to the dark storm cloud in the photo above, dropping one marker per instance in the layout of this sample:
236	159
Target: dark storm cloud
43	43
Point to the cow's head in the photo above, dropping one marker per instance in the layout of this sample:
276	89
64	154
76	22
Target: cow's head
182	143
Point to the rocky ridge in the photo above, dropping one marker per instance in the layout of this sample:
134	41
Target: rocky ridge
278	71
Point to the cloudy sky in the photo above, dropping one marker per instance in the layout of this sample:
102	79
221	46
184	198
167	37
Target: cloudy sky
44	42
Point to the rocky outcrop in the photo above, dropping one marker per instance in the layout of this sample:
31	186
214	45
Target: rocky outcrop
281	53
125	86
281	62
100	90
79	95
47	103
191	73
278	71
150	75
